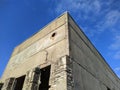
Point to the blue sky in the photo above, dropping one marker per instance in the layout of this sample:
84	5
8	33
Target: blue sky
99	19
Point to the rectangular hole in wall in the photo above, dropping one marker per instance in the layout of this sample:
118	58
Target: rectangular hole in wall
1	84
19	82
45	75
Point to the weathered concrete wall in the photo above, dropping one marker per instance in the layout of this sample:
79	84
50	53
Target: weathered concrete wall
44	47
90	71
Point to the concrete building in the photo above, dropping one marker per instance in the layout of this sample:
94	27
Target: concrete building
58	57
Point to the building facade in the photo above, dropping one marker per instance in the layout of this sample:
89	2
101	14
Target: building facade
58	57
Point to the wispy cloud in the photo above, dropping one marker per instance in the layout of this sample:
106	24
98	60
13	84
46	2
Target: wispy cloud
112	18
117	69
116	44
109	21
117	55
95	12
79	7
96	17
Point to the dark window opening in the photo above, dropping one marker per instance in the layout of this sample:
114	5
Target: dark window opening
19	82
108	88
1	84
45	74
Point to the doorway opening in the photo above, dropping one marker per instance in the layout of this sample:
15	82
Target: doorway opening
45	75
19	82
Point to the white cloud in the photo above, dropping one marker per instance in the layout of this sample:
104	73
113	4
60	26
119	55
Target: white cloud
79	7
109	21
112	18
116	44
117	69
64	5
117	55
115	48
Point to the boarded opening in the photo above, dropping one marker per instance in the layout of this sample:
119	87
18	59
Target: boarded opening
19	82
45	75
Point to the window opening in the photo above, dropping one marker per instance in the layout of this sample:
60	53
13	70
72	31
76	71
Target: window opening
19	82
1	84
45	75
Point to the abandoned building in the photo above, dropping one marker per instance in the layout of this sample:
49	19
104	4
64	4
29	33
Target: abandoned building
58	57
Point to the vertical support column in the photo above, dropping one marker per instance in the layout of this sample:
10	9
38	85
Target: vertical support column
69	70
62	74
9	84
32	80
